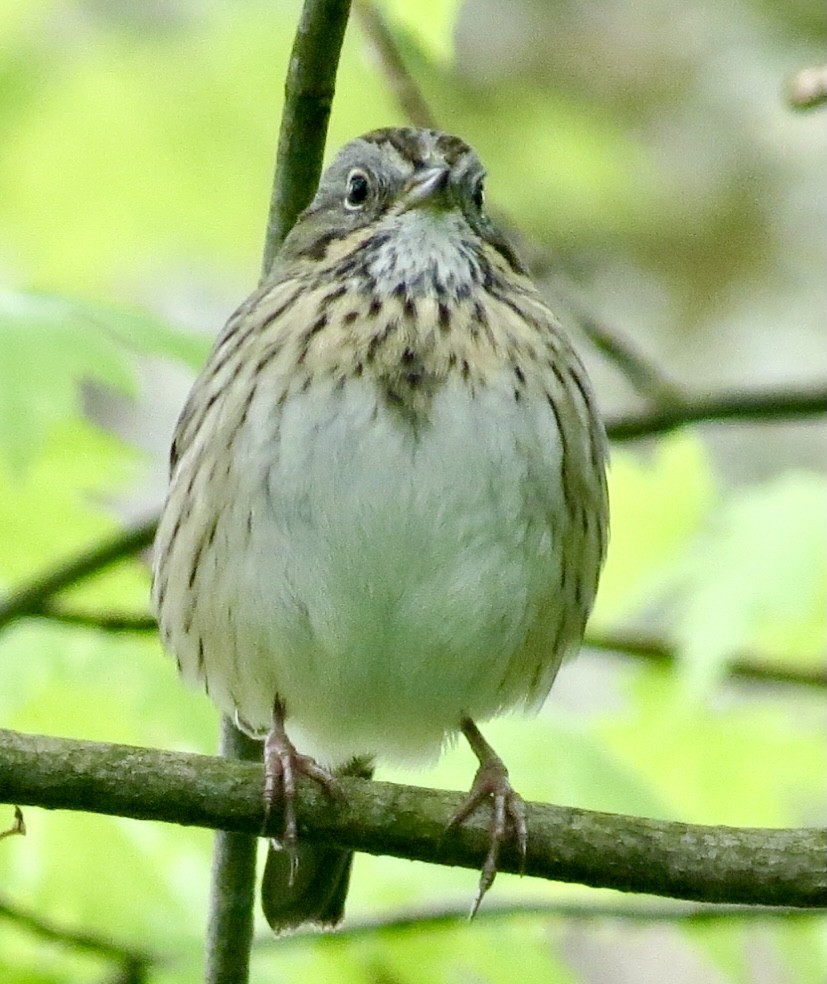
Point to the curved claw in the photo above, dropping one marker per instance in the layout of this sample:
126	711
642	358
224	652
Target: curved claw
509	812
282	763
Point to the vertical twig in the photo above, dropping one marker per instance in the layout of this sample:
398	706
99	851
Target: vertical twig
230	928
309	89
308	96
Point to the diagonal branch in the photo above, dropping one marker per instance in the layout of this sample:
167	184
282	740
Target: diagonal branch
403	85
708	864
642	373
29	599
134	961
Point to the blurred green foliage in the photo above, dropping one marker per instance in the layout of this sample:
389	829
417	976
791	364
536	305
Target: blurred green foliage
137	151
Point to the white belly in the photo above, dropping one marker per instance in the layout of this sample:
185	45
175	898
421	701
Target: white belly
391	581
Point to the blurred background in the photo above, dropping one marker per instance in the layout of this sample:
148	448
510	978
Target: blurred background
647	160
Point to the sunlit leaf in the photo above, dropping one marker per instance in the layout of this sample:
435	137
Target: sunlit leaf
750	763
658	506
757	581
56	506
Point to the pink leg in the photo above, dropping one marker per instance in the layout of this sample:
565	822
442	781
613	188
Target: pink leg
282	763
509	816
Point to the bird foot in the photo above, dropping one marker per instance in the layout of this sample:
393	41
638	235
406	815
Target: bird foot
282	764
509	812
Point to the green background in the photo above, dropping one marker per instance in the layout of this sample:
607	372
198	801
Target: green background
648	156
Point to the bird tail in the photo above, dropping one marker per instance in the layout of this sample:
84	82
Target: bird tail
320	883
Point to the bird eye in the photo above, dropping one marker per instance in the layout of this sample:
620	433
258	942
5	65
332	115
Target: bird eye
478	194
357	189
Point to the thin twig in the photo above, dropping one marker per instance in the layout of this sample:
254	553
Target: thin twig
418	919
115	622
29	599
651	648
230	928
309	88
741	667
736	405
642	373
308	92
102	946
783	867
18	827
403	85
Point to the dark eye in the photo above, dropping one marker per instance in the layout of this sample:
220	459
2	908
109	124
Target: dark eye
357	189
478	195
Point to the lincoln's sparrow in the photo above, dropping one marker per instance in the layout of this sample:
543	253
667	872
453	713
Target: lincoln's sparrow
387	513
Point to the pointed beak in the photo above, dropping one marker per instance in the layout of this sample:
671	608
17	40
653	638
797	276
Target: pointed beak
423	184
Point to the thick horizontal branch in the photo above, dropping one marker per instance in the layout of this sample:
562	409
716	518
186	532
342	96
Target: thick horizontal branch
709	864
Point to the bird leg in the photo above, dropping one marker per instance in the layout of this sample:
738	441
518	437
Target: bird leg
509	813
282	763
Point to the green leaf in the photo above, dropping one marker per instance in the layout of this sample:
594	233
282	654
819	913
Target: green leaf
50	345
745	763
659	504
757	580
54	507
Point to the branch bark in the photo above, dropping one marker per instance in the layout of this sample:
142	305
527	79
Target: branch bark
775	867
